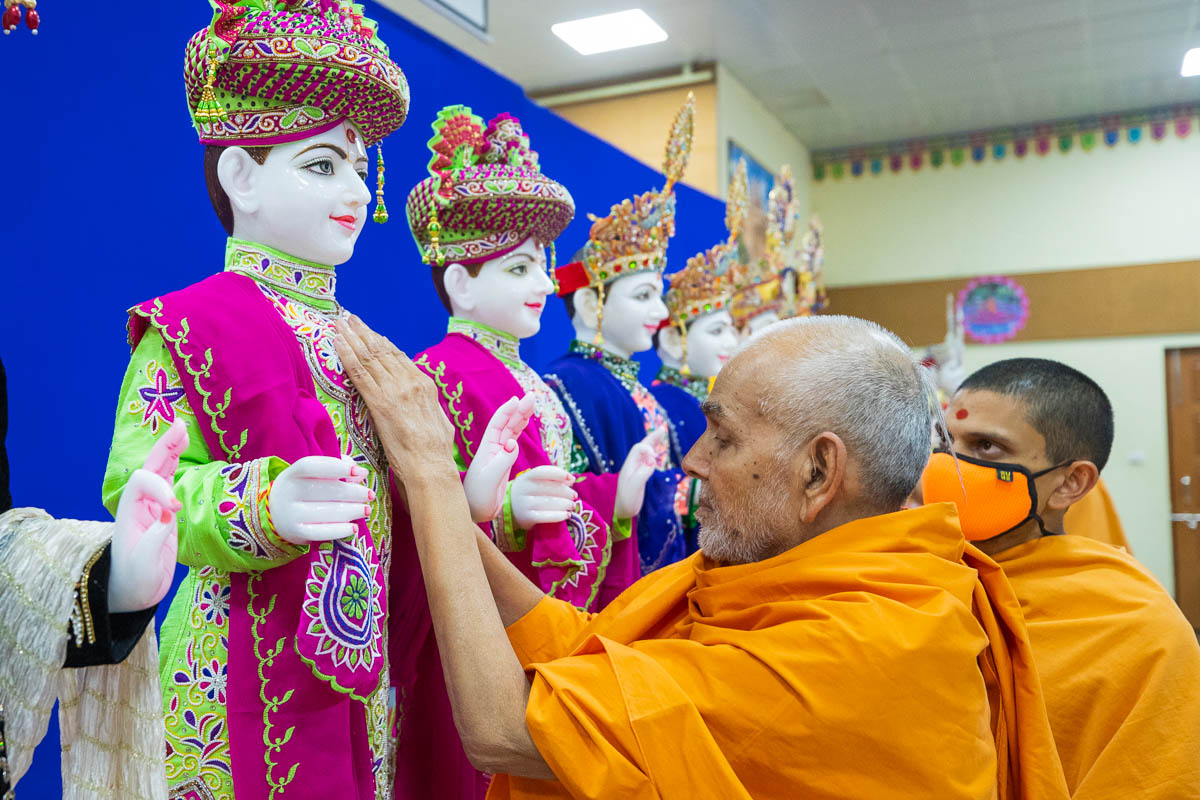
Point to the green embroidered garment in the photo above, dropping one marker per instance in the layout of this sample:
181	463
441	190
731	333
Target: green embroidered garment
225	527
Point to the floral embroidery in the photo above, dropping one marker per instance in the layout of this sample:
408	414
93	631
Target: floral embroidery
242	493
194	689
214	602
271	267
594	555
654	418
211	680
339	584
161	400
355	597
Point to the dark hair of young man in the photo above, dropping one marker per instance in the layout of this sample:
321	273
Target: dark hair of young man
1069	409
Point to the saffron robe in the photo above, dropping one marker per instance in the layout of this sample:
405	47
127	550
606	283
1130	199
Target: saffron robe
847	667
1095	517
1120	668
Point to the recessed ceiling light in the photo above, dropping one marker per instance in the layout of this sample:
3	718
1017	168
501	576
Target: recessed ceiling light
591	35
1191	63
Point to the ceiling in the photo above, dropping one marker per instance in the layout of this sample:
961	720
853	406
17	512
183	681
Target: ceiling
847	72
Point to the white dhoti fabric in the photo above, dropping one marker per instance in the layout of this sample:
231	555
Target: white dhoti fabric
111	717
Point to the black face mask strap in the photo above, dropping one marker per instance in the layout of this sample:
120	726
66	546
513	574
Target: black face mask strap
1033	493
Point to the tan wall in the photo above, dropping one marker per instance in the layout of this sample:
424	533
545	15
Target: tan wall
638	125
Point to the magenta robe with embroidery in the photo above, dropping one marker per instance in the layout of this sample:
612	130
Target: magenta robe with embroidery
570	560
249	383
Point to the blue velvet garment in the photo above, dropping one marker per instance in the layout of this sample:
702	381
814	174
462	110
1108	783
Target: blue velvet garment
684	410
608	423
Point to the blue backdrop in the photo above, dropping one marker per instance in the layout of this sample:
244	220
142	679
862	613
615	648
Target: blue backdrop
104	205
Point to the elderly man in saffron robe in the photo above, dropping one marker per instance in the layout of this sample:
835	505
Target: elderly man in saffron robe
822	644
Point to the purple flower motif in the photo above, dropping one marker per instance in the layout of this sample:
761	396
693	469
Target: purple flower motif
212	680
214	603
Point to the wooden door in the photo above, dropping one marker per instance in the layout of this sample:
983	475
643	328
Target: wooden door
1183	424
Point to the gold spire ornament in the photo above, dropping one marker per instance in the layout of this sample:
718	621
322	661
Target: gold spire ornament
381	212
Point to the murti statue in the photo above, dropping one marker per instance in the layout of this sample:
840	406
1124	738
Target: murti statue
482	221
810	296
613	292
699	336
274	660
77	603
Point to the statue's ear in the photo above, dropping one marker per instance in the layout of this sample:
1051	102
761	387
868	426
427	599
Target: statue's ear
457	282
237	173
670	341
587	308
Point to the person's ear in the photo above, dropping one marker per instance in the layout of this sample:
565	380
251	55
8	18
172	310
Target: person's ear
671	342
457	282
237	173
587	308
1079	479
822	465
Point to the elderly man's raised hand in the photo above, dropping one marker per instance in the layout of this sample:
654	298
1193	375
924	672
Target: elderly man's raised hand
145	540
638	467
402	399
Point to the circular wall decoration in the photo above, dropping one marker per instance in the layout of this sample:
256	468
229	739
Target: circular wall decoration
994	308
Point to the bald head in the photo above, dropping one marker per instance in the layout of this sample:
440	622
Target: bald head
854	379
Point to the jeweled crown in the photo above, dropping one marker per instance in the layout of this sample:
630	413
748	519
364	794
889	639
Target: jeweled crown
633	237
706	283
759	289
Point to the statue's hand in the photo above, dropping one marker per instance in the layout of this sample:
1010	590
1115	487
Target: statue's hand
638	467
487	477
145	542
318	499
542	494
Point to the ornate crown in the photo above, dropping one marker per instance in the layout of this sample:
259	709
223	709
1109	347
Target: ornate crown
633	237
705	284
760	289
485	193
812	254
266	72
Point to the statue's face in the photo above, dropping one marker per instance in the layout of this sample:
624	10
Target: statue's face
509	293
633	310
756	324
309	199
711	340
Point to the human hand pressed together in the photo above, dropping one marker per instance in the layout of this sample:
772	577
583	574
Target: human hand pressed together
145	540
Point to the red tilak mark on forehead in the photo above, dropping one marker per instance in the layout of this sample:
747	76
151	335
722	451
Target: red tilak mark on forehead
962	413
351	136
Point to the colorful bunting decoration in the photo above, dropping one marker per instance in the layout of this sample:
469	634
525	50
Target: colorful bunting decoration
978	146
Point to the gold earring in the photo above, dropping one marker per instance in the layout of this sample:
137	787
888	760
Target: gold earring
381	214
684	369
599	340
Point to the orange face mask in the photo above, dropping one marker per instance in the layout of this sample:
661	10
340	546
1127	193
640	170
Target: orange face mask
998	497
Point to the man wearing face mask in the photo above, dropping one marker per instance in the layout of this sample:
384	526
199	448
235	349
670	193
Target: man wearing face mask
822	644
275	669
698	336
613	292
1119	663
